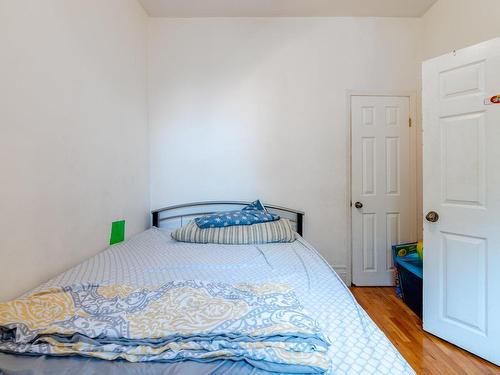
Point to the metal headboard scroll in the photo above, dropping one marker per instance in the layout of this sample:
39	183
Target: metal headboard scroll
178	215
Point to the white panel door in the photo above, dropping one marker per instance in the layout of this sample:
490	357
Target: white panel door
383	206
462	185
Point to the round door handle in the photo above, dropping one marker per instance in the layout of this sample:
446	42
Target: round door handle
432	216
358	205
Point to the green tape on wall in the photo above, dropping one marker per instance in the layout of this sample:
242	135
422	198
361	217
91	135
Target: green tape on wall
117	232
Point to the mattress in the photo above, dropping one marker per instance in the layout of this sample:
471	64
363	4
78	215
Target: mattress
152	257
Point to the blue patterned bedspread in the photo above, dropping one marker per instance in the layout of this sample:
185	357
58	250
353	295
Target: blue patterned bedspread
357	346
263	324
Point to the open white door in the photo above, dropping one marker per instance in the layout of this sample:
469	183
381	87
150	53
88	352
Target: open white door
383	191
462	198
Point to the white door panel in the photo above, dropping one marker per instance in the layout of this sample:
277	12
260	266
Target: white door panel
381	170
462	184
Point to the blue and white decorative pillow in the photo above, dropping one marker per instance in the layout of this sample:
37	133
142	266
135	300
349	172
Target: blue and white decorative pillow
255	205
254	213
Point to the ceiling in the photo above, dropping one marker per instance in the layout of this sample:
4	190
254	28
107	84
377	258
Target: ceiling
286	8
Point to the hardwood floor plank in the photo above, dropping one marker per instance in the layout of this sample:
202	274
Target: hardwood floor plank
426	353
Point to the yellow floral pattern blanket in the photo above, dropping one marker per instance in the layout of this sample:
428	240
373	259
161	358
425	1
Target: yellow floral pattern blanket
262	324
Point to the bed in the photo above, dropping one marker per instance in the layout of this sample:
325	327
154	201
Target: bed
357	346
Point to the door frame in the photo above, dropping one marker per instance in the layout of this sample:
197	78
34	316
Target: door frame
416	189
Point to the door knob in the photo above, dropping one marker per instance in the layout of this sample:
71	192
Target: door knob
358	205
432	216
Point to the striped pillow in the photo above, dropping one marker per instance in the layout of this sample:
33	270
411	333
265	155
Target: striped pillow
274	231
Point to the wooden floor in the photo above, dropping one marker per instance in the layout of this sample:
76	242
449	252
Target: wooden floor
424	352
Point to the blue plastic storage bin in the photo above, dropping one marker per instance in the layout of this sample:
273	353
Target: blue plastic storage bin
410	271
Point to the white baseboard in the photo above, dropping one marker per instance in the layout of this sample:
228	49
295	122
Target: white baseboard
343	273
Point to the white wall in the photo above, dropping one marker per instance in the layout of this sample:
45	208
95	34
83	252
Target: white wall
73	133
455	24
247	108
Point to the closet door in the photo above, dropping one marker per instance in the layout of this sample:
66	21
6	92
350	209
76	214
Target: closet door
383	188
462	198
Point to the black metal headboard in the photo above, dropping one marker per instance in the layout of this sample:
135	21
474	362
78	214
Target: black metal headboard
174	216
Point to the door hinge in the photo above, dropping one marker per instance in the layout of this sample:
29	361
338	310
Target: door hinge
409	122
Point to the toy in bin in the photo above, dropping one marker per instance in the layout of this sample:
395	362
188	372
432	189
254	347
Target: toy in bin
401	251
420	249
